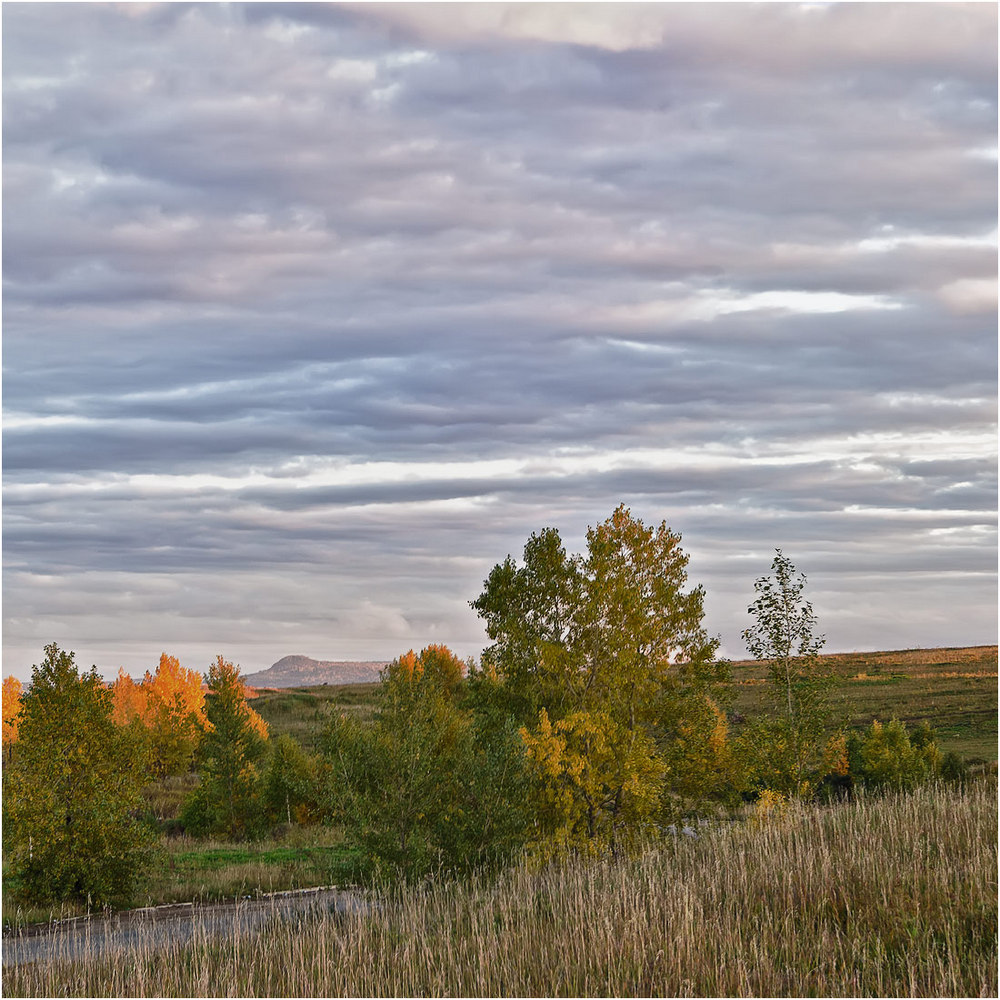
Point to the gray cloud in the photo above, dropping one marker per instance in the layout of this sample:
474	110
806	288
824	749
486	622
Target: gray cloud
313	312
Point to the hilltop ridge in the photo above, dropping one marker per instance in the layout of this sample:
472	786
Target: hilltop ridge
304	671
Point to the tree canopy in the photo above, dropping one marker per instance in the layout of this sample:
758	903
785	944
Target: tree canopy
425	786
71	790
11	710
608	629
171	705
229	758
601	657
786	750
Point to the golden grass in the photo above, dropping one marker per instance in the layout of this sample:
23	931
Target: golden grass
880	897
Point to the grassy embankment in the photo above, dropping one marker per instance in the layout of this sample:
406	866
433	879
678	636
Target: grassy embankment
879	897
189	870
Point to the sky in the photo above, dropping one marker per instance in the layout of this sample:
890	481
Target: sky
313	313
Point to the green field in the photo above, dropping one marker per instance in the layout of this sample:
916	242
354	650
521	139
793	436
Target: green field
954	690
303	712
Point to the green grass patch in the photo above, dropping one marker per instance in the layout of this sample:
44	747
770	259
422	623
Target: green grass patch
304	713
218	858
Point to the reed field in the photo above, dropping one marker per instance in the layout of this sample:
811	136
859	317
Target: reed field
893	896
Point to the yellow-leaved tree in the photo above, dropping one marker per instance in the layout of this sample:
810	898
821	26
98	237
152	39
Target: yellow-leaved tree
175	714
595	781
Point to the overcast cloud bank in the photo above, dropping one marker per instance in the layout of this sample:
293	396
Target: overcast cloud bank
313	313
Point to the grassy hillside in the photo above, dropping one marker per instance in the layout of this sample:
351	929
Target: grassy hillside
953	689
303	711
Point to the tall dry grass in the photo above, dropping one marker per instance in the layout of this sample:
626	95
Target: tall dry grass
881	897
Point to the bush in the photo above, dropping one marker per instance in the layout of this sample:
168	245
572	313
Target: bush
702	763
888	757
424	787
953	768
289	791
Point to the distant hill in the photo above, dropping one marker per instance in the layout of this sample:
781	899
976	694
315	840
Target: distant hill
303	671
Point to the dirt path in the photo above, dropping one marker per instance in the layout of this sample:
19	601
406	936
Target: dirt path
178	923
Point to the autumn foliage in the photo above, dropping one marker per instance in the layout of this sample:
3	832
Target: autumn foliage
171	706
128	700
11	709
594	781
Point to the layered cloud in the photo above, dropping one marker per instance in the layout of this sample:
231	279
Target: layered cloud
313	312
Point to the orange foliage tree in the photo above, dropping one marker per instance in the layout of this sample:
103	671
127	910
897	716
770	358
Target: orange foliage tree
11	709
128	700
171	705
175	714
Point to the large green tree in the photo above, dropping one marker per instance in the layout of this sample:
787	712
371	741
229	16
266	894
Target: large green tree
612	642
72	791
639	633
610	630
530	613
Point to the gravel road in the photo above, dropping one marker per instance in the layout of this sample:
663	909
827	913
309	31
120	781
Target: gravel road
157	926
